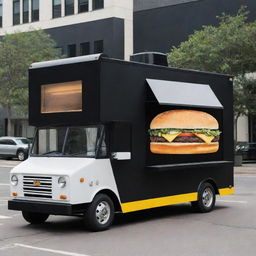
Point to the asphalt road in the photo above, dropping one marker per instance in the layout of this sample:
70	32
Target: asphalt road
229	230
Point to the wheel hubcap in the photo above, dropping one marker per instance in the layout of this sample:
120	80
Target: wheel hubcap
207	197
21	156
102	212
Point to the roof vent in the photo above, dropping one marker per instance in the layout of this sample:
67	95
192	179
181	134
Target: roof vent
156	58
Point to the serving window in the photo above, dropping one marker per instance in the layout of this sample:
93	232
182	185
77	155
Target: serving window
61	97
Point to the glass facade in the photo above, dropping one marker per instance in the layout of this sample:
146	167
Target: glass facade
16	12
25	11
98	46
31	9
97	4
85	48
1	13
83	6
69	7
56	8
35	10
71	50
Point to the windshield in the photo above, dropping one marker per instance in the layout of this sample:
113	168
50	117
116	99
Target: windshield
70	141
22	141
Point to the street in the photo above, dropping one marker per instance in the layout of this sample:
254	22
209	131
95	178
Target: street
229	230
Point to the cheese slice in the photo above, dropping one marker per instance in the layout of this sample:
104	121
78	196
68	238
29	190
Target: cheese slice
207	139
170	137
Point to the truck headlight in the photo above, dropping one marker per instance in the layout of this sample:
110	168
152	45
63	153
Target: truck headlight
14	180
62	182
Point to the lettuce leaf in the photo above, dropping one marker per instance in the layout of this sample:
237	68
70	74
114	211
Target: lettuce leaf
208	132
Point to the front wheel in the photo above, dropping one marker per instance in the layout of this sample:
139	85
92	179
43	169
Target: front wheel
34	217
206	198
100	213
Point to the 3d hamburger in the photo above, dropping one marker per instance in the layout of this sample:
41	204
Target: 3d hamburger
184	132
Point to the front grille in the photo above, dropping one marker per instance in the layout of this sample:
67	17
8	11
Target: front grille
37	186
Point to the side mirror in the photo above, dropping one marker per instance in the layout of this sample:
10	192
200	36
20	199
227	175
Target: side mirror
121	155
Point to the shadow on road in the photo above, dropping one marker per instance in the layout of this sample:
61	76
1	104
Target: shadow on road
74	224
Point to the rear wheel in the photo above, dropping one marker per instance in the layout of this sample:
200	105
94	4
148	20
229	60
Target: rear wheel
21	155
100	213
34	217
206	198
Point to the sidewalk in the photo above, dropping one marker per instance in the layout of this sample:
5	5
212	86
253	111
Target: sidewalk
247	168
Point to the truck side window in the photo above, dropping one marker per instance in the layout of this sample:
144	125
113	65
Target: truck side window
101	149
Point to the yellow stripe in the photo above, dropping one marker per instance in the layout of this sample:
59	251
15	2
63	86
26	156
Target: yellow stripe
226	191
168	200
158	202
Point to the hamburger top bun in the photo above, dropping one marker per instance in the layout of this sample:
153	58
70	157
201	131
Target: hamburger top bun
184	119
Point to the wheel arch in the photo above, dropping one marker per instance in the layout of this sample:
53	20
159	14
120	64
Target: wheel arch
212	182
20	149
113	197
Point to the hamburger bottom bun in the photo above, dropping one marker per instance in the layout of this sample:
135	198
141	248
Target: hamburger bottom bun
183	148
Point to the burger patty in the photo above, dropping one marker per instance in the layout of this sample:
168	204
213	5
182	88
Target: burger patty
181	139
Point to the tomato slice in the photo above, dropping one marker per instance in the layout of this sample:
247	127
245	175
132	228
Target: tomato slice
186	134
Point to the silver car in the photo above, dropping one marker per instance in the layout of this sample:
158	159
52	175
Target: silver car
14	147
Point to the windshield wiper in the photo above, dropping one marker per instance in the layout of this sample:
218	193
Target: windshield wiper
84	153
51	152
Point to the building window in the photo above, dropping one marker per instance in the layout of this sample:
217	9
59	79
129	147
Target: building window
72	50
56	8
85	48
1	13
97	4
16	12
98	46
69	7
35	10
83	6
25	11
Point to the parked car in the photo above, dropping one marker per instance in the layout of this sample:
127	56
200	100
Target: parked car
14	147
247	150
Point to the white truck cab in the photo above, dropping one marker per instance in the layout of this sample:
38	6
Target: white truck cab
67	166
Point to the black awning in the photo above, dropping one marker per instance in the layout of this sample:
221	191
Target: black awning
183	94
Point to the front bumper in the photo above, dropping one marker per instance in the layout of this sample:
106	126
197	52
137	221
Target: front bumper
46	207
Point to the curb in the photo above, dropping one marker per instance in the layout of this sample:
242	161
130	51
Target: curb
251	169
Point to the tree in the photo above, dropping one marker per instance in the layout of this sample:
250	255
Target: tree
228	48
244	98
17	52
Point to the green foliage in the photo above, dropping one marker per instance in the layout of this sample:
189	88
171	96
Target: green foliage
17	52
228	48
244	96
158	132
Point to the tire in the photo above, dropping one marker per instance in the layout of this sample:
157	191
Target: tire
34	217
21	155
206	198
99	215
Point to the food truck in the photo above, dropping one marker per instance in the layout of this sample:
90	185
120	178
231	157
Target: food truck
119	136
